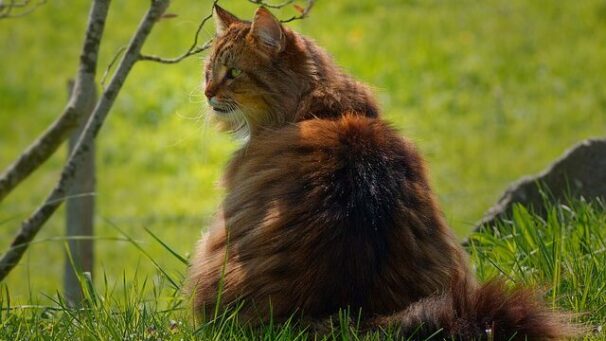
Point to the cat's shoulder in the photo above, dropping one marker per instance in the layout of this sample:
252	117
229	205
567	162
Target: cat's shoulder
351	143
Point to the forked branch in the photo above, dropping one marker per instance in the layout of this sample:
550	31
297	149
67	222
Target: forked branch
31	226
82	98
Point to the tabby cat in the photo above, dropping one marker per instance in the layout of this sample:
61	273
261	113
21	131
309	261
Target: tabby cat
327	207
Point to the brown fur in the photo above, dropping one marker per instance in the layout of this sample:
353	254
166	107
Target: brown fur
327	207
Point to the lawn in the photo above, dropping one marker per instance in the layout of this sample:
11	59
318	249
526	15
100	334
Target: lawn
489	91
563	255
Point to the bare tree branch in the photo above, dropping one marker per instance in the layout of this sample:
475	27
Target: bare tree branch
80	101
23	7
31	226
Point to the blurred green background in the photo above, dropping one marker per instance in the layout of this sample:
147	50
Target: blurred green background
489	90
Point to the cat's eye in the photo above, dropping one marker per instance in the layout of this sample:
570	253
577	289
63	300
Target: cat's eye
233	73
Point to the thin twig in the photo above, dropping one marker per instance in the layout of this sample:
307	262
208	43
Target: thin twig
273	6
175	60
15	4
110	65
6	10
31	226
304	13
193	49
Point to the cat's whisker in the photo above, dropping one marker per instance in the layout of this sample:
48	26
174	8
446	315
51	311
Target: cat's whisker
195	117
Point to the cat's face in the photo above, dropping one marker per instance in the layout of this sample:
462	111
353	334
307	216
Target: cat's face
242	73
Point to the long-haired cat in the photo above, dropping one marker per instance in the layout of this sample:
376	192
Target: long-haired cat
327	207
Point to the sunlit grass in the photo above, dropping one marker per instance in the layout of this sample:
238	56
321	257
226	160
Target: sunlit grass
563	255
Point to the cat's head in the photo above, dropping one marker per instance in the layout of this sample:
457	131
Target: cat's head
255	71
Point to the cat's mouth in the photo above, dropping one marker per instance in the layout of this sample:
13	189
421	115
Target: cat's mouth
221	107
223	110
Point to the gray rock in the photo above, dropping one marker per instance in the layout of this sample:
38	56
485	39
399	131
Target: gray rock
580	172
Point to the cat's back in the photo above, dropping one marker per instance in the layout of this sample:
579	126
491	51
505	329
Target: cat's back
325	214
350	169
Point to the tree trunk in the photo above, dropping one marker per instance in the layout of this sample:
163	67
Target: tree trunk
80	214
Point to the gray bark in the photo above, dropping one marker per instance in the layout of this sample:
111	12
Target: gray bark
82	97
80	214
31	226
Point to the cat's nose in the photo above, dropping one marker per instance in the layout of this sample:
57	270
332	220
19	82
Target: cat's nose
210	91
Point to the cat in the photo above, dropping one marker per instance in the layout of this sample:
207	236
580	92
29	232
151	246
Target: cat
328	208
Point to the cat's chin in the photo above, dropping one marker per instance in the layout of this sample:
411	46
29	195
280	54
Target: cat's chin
233	122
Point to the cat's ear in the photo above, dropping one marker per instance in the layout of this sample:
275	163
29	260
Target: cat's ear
223	19
267	30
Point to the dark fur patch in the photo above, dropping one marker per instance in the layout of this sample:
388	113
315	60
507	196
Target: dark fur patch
492	311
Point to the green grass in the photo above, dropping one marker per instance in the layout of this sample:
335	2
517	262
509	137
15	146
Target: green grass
564	254
489	90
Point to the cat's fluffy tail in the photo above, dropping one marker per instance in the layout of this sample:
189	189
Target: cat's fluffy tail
491	311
